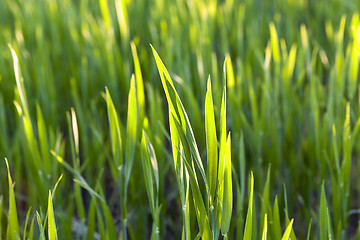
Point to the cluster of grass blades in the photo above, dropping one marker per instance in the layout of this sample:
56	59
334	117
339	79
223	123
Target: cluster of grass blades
214	214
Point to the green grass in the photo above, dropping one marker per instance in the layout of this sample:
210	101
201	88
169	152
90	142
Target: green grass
251	131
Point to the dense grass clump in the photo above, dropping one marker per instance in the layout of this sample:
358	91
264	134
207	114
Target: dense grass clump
251	131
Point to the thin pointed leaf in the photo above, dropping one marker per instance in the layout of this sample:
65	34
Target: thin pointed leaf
140	96
51	220
274	42
211	140
249	216
264	234
288	231
177	109
323	207
201	214
115	133
13	224
131	129
228	194
221	168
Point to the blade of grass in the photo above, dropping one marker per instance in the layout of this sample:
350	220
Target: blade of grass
249	216
228	194
211	141
115	133
288	231
221	168
26	221
41	226
177	109
148	172
276	228
264	234
130	131
140	96
13	224
51	220
201	213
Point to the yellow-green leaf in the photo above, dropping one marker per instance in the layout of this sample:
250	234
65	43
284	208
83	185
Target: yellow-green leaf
131	129
13	224
288	231
211	140
51	220
115	134
248	223
228	194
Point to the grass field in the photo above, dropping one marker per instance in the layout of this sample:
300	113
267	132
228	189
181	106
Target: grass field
138	119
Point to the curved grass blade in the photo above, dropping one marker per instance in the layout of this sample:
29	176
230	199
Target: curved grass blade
19	81
177	109
115	133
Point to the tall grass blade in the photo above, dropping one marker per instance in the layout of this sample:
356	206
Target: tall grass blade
211	141
200	209
13	224
264	234
116	145
276	226
249	216
323	207
131	130
122	18
221	169
140	95
228	194
41	226
179	114
26	222
51	220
